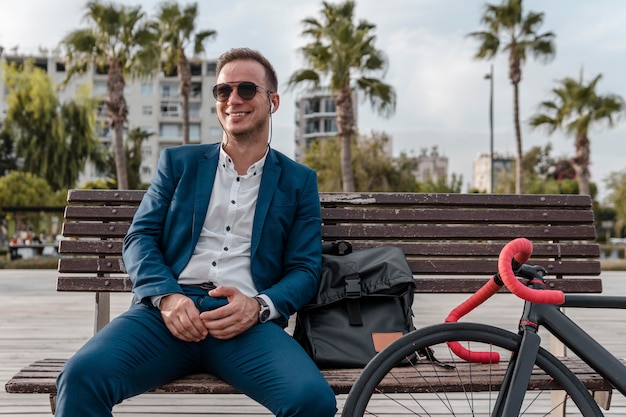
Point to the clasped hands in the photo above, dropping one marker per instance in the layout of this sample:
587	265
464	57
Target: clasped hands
184	321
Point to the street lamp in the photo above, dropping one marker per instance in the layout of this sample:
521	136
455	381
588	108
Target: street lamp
490	78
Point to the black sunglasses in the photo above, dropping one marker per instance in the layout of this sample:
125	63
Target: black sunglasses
245	89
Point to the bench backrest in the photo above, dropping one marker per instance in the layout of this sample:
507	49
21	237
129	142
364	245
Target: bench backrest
451	241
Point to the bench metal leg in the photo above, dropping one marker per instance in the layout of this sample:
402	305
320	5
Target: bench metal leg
603	398
103	310
53	403
559	402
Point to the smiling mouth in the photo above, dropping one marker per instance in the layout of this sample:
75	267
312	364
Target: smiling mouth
237	114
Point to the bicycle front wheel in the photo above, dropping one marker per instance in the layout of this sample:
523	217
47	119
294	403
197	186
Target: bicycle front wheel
449	386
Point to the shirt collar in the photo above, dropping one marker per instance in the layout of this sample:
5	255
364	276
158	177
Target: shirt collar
226	162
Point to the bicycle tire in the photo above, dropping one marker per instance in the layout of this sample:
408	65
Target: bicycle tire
476	398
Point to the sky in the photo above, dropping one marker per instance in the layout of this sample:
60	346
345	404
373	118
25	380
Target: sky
442	95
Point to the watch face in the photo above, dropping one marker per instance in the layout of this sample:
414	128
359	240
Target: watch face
265	314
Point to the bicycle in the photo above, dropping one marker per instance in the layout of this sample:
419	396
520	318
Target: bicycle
443	356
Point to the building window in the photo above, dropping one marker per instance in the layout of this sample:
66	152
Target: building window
170	130
312	126
60	67
99	89
215	131
196	69
196	90
170	109
329	105
194	131
102	110
311	106
147	89
146	110
194	110
210	68
169	90
330	125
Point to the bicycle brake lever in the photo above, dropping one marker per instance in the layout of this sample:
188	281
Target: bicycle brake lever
531	272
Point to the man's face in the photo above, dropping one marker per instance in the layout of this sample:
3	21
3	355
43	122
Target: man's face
239	116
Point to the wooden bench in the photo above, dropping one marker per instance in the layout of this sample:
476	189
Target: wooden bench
451	242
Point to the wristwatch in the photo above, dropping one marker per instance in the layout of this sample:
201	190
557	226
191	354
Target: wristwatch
264	313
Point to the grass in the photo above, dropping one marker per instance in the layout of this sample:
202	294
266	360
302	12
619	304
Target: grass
30	263
613	264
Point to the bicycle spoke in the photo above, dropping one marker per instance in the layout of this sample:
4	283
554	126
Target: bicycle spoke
449	386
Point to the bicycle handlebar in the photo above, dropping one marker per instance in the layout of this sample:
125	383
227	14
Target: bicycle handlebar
512	257
519	250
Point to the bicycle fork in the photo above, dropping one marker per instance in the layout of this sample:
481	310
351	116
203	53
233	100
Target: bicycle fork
517	376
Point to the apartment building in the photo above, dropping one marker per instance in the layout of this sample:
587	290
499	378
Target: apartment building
153	105
316	118
430	166
502	164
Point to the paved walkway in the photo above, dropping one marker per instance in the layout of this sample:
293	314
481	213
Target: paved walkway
37	322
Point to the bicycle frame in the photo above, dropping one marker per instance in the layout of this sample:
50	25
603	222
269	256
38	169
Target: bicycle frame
569	333
574	337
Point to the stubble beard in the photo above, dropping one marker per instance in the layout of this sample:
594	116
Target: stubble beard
250	136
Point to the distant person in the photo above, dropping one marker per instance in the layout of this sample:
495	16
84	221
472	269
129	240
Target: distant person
224	248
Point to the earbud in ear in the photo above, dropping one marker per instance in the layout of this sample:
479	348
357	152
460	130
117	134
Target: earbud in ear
271	107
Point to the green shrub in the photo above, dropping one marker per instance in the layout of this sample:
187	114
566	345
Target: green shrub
30	263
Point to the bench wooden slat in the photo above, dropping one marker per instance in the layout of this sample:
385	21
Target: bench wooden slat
106	197
455	215
100	213
90	247
96	230
484	249
478	268
430	248
422	285
501	232
40	378
562	201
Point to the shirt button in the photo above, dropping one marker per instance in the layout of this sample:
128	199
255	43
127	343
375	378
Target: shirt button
214	263
238	179
232	201
228	228
226	248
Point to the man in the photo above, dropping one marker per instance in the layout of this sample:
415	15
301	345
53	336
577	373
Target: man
224	247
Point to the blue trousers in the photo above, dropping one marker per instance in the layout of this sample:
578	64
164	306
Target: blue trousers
136	353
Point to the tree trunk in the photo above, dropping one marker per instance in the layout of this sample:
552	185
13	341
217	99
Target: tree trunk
519	156
345	125
184	77
581	163
515	74
117	114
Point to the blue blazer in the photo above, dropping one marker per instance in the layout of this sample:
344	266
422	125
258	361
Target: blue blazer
286	232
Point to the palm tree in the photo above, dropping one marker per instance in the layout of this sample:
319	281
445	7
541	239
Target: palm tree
511	32
574	108
343	55
118	40
176	29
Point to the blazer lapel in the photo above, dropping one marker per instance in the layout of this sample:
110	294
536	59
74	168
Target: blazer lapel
204	185
269	181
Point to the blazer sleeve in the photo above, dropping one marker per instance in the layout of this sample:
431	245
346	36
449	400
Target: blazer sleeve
301	253
143	251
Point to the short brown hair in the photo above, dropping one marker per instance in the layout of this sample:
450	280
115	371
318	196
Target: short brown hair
249	54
